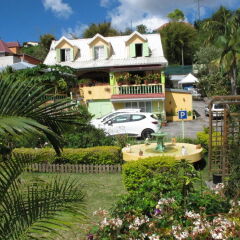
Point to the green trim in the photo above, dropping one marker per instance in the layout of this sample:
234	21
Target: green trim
132	50
58	54
145	49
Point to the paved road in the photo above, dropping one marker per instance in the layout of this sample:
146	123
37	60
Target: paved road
174	129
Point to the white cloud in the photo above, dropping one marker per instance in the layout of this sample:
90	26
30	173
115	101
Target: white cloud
60	8
74	32
153	13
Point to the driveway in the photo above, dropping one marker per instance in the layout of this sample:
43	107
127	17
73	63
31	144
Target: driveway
174	129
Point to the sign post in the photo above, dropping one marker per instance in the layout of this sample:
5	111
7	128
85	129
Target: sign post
182	115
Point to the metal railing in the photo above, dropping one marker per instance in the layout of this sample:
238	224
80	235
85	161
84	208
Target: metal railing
138	89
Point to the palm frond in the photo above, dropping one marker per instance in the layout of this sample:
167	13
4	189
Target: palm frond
31	212
25	104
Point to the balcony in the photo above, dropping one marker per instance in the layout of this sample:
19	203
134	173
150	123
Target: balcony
138	91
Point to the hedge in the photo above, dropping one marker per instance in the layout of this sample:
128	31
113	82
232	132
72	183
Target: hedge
93	155
137	172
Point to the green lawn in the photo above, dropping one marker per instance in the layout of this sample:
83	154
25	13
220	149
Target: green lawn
102	191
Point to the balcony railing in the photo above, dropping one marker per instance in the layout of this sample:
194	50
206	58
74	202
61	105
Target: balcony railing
138	89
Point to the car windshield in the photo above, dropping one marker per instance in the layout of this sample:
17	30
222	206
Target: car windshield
109	116
219	106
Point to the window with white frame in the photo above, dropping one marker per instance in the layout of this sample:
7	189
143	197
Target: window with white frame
144	106
65	55
99	52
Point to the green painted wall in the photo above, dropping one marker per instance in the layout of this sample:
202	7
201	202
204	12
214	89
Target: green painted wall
158	106
100	107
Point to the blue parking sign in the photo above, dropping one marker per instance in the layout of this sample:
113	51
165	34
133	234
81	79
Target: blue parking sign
182	114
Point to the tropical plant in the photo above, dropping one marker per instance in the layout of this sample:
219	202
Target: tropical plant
225	34
31	210
59	78
24	112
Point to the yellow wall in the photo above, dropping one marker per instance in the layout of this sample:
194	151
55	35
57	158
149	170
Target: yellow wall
135	39
64	44
98	42
158	106
96	92
176	101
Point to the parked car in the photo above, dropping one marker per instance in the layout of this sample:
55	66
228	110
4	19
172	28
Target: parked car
217	110
134	124
96	122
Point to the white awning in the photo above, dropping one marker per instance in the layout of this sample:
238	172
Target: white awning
188	79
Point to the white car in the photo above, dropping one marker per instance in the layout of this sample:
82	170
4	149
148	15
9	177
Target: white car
134	124
96	122
217	110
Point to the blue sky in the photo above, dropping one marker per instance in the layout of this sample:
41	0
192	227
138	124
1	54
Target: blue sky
26	20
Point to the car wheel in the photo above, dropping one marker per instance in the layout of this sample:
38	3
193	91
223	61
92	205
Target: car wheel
146	133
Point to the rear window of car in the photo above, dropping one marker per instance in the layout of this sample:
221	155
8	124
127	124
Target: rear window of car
137	117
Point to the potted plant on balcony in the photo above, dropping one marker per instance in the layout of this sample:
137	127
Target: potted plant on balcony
137	79
125	79
85	82
156	78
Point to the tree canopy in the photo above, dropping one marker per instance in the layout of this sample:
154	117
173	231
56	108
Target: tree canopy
105	29
40	52
179	42
176	15
142	28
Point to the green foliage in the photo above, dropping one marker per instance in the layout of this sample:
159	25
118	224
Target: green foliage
105	29
211	83
87	136
57	78
203	138
46	40
94	155
24	112
33	210
160	203
35	51
176	15
141	28
137	172
40	52
179	40
223	32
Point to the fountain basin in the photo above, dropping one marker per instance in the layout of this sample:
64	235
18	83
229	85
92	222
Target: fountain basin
193	154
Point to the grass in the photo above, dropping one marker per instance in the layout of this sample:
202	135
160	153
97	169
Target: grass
102	191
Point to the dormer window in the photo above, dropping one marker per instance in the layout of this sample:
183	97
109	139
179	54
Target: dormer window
139	49
99	52
65	55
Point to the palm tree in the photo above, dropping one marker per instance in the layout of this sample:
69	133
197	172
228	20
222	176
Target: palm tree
24	111
230	56
31	211
225	34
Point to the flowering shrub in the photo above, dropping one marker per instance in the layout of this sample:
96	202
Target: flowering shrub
168	206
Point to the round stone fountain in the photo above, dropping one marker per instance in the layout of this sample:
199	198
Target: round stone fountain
189	152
